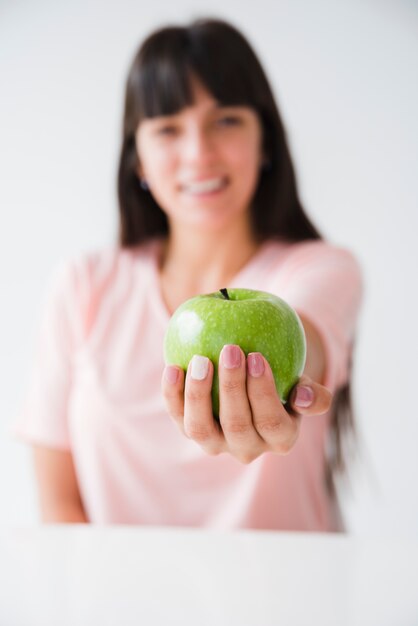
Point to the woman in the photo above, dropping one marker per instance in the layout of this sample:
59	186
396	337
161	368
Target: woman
208	199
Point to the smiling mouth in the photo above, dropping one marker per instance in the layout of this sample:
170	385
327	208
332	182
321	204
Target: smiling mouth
205	187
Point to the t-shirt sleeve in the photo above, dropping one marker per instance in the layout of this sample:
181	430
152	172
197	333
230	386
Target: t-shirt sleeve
44	415
323	283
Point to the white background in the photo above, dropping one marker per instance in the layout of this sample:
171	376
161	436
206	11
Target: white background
345	75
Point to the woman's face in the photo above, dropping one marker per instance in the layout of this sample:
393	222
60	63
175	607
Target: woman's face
202	164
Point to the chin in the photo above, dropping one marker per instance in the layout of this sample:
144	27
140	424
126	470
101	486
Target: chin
214	220
212	225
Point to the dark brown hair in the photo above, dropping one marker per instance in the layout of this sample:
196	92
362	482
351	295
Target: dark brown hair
159	83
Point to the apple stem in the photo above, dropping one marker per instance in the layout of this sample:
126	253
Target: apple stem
225	293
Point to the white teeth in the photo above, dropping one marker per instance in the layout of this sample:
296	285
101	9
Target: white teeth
205	186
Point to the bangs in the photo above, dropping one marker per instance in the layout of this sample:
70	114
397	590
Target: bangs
171	57
165	85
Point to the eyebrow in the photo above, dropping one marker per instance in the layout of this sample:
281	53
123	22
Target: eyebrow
212	109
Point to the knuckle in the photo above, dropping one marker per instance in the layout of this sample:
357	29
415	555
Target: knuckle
269	425
259	393
213	451
246	457
198	432
170	394
326	401
231	386
176	414
236	426
195	394
286	445
174	409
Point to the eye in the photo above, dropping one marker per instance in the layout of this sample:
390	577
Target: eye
166	130
229	120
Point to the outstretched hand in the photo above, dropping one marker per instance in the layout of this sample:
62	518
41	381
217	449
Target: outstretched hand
252	418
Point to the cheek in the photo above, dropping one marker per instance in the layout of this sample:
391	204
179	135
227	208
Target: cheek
160	169
160	175
247	160
155	161
247	151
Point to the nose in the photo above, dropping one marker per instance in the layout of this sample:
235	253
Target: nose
198	145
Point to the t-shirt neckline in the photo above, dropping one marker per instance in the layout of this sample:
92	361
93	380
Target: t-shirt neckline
239	280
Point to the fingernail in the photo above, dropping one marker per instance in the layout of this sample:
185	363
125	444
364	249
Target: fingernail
199	367
255	364
171	374
304	396
231	356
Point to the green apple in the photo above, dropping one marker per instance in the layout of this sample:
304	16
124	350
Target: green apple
257	321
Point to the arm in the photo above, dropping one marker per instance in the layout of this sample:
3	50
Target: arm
326	283
313	375
315	353
59	495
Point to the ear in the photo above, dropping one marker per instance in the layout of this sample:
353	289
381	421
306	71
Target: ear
138	168
139	171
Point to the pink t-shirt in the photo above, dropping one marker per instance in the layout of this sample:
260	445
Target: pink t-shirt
95	390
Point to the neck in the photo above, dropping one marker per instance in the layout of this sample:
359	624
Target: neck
206	261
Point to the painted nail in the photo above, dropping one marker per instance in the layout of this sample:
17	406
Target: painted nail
304	396
199	367
171	374
231	356
255	364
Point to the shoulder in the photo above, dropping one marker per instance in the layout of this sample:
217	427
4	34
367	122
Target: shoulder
316	270
318	249
98	269
316	255
98	280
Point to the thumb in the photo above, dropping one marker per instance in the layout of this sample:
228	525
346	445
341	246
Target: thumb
310	398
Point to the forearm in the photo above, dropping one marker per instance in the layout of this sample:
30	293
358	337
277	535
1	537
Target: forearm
59	495
315	359
65	513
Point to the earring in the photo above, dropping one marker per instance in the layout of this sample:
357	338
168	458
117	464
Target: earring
144	184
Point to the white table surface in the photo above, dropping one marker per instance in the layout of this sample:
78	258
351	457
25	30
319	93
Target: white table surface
116	576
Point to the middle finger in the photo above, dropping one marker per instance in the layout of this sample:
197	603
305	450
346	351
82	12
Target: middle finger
234	408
